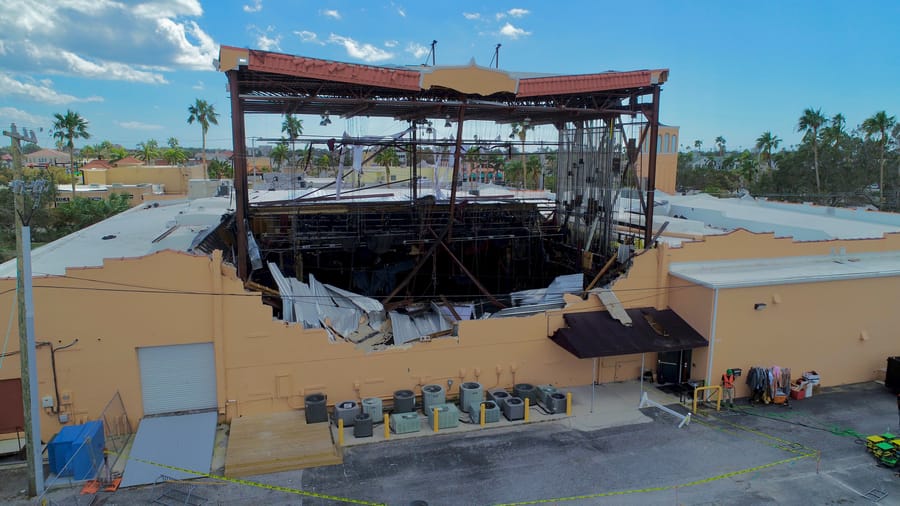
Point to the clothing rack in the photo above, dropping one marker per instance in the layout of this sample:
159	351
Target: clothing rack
768	384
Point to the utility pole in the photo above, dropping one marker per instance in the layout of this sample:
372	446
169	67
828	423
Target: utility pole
26	315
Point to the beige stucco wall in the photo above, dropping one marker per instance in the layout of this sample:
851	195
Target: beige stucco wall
175	178
265	365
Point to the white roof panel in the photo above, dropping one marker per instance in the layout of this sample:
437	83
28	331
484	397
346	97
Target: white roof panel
788	270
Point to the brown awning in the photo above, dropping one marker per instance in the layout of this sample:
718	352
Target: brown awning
597	334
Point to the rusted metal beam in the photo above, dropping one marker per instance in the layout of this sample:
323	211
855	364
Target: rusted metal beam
239	147
651	171
471	276
456	161
409	277
451	308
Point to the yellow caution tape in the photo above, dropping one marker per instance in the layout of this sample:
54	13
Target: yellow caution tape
663	487
260	485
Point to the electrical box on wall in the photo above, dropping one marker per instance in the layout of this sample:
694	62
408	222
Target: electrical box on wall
47	401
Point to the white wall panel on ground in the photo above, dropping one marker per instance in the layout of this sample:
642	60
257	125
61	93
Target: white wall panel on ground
178	378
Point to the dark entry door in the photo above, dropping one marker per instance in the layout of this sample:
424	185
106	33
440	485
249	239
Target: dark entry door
673	366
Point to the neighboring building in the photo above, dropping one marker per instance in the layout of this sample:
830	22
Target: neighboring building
167	179
46	158
128	161
666	159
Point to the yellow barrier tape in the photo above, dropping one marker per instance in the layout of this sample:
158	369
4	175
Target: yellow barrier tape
663	487
265	486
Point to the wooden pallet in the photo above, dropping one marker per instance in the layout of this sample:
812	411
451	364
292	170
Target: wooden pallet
276	442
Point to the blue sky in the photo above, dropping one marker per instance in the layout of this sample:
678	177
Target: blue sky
737	68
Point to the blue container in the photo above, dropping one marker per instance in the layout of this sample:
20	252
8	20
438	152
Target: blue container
82	447
60	449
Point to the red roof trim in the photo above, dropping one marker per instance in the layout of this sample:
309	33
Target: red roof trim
586	83
327	70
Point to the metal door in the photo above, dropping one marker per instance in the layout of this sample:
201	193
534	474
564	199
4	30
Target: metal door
178	378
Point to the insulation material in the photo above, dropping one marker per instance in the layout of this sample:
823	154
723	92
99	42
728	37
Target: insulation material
567	283
285	289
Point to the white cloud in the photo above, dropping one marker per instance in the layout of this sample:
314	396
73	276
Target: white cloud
471	15
256	7
69	62
331	13
365	52
391	43
137	125
500	15
264	41
518	13
23	118
307	36
168	9
195	57
513	32
105	39
40	92
400	10
199	86
417	50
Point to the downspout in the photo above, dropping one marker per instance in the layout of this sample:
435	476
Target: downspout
712	338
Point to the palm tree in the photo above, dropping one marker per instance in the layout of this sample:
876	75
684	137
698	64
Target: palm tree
766	143
174	156
279	154
833	133
205	114
293	128
720	143
173	142
66	129
148	150
519	130
879	124
698	144
810	123
387	157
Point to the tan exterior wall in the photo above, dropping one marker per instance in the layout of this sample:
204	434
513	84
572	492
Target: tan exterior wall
265	365
666	159
175	178
262	364
844	330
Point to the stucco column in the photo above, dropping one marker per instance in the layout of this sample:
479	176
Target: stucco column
217	313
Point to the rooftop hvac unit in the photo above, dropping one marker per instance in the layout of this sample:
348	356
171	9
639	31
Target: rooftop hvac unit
316	409
556	402
499	396
346	411
432	395
448	416
525	391
470	392
491	412
404	401
372	407
362	425
404	423
543	393
514	409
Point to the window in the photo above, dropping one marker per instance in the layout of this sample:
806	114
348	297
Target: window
668	145
659	144
675	142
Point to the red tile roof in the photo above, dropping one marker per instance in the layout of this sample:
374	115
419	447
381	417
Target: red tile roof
96	164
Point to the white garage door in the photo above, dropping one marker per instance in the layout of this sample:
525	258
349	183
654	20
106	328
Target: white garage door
178	378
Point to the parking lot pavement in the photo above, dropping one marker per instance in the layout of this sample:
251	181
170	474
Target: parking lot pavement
805	453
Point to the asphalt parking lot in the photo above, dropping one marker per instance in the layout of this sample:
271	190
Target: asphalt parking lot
807	453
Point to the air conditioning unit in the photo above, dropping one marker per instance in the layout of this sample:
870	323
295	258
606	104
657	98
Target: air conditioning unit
373	407
491	412
499	396
404	401
514	409
432	395
346	411
544	392
405	423
525	391
470	392
448	416
556	402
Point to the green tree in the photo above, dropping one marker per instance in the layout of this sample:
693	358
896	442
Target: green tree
148	151
880	123
810	123
387	157
720	143
520	130
67	128
292	126
220	170
323	163
173	143
174	156
80	213
766	143
204	114
279	154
